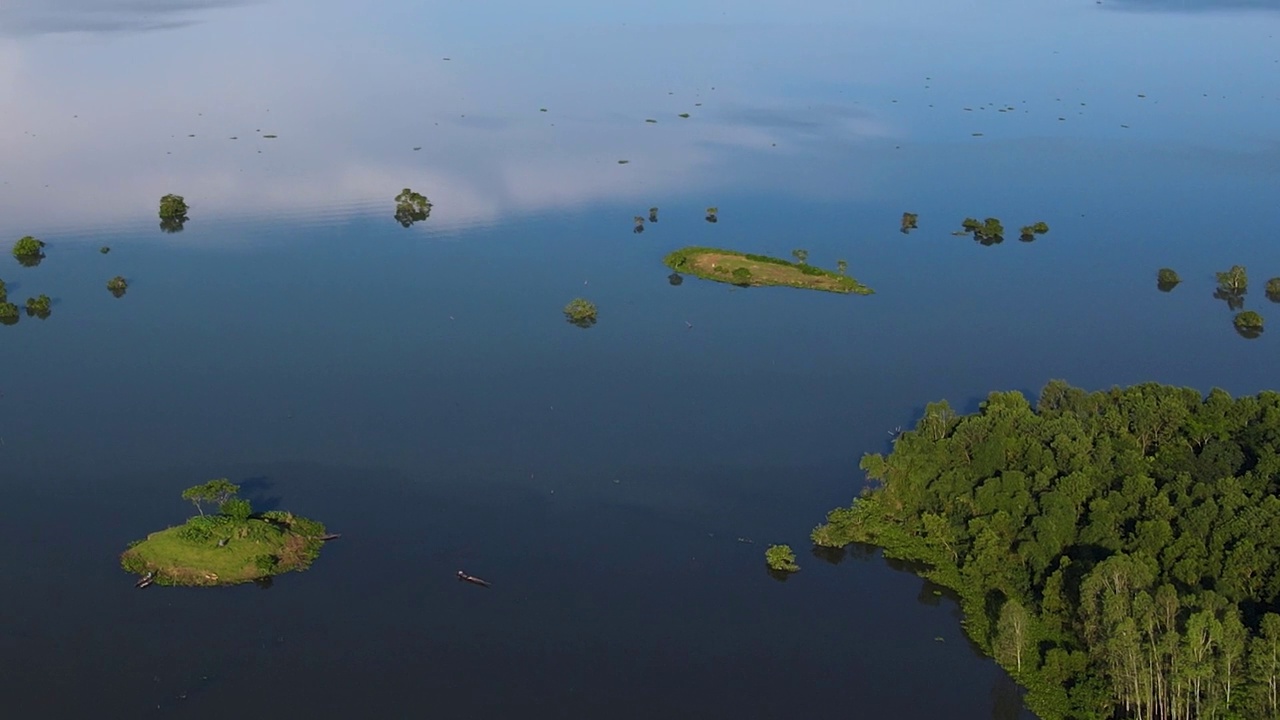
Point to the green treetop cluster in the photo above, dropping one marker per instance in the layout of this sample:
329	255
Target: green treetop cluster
580	312
781	558
411	207
1118	552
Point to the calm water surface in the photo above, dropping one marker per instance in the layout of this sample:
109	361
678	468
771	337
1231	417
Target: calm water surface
418	390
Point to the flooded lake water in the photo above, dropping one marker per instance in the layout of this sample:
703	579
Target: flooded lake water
419	391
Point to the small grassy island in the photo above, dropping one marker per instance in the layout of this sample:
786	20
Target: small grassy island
744	269
1167	279
781	558
411	207
580	312
231	547
1117	551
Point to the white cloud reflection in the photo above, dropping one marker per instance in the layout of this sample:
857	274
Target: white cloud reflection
99	128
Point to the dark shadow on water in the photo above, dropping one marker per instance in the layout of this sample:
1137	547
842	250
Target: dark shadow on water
1006	699
779	575
1248	333
1165	286
1234	300
675	279
265	583
833	556
257	490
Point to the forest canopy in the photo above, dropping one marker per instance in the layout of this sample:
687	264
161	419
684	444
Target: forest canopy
1118	552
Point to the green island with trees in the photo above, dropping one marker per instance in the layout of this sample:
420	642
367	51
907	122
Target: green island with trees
28	251
118	286
748	270
781	558
1167	279
1118	552
39	306
1273	289
411	207
232	546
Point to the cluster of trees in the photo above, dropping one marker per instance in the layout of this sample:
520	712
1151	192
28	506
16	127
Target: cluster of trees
1232	286
1117	552
909	222
991	231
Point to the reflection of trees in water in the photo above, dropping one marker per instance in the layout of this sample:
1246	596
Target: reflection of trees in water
265	583
1233	298
1165	285
675	279
173	224
834	556
1006	698
779	575
30	260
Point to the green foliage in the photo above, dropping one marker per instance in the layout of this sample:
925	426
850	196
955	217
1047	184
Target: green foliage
8	313
268	564
1117	551
236	508
800	255
971	224
4	292
214	492
1234	281
1166	279
1248	324
39	306
173	207
781	558
118	286
1273	289
580	312
28	247
653	214
411	207
741	274
685	260
1039	228
909	222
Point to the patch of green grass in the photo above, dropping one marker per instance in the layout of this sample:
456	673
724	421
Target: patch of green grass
253	548
762	270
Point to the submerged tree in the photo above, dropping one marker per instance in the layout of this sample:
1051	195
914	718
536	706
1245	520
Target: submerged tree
842	266
675	279
1234	300
1273	289
908	222
1167	279
1233	281
1029	232
38	306
117	286
173	224
411	207
713	214
28	251
173	206
653	214
580	312
214	492
781	558
800	255
4	292
1248	324
639	228
8	313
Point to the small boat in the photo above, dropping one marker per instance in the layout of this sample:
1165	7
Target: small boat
146	580
330	536
472	579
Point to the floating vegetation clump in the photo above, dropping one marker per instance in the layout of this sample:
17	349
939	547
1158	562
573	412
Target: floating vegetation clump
623	162
1273	289
1029	232
38	306
713	214
1248	324
1167	279
117	286
411	207
580	312
104	249
639	228
653	214
909	222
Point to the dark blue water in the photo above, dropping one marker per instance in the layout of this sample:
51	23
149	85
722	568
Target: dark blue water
419	391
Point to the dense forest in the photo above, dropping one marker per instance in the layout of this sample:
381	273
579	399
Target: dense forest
1117	552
